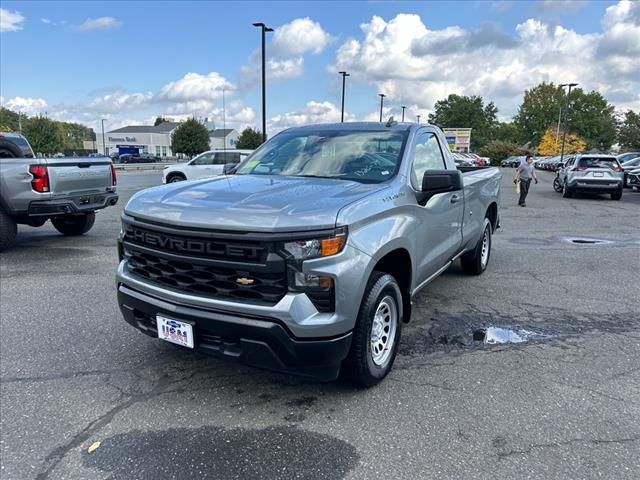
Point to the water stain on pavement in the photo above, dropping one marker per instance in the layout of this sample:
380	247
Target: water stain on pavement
216	452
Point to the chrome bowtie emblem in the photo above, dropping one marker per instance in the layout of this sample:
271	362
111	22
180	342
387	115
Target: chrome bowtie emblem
244	281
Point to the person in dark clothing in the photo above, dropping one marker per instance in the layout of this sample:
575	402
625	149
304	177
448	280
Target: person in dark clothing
524	173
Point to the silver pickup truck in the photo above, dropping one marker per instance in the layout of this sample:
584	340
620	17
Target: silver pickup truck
306	258
67	191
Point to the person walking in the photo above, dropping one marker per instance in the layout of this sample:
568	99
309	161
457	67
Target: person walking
524	173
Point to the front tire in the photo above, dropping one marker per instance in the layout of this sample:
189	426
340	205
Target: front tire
476	261
8	230
557	186
377	332
73	225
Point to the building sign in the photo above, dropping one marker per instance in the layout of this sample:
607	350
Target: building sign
122	139
458	139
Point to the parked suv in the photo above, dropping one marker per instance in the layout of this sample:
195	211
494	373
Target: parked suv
66	191
591	173
205	165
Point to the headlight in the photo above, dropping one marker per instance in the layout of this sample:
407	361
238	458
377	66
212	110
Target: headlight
317	247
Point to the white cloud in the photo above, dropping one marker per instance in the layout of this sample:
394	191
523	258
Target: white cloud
412	64
10	20
28	106
300	36
119	101
101	23
560	6
194	86
46	21
313	112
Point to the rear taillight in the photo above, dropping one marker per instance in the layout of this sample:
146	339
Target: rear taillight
114	178
616	168
40	182
577	169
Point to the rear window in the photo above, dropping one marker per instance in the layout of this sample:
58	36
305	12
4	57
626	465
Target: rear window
597	162
223	158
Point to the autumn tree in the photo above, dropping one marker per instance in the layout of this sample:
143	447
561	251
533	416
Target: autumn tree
191	138
550	144
467	112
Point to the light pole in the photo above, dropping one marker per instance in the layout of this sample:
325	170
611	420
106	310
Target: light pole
264	29
418	117
344	76
382	95
403	107
104	145
566	115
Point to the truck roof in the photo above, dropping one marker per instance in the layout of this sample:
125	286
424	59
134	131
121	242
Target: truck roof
356	126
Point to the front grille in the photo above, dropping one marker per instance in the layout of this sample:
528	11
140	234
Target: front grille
256	274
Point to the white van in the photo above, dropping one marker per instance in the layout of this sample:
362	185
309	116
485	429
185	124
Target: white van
207	164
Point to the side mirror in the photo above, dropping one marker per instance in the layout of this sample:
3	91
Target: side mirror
229	168
439	181
560	165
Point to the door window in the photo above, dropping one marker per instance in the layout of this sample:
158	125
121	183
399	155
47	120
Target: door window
222	158
204	159
427	156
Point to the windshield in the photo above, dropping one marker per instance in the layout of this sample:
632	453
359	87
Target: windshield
367	157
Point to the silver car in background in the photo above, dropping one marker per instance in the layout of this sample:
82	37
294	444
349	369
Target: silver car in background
591	173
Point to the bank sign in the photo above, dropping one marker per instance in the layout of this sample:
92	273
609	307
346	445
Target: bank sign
122	139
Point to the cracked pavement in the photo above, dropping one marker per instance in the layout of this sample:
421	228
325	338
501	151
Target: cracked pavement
73	372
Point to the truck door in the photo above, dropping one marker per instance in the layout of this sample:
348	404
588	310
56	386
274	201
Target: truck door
440	228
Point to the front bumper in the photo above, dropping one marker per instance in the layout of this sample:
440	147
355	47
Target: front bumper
262	342
72	204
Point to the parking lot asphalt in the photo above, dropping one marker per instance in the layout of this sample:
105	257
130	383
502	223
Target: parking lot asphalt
565	404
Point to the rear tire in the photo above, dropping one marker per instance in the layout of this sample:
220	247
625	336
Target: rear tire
617	195
566	191
476	261
76	224
176	177
376	335
557	186
8	230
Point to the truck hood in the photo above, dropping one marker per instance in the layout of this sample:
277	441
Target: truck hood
257	203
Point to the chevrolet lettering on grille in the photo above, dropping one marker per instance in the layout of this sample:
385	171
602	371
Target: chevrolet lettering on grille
190	245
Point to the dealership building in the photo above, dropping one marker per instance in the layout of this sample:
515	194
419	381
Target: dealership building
156	140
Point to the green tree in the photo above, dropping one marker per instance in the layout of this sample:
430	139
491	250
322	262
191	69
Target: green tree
589	115
45	136
507	132
74	134
8	120
498	150
467	112
538	112
629	132
249	139
190	138
592	118
158	121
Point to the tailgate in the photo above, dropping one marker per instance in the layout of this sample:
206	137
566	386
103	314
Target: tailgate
70	175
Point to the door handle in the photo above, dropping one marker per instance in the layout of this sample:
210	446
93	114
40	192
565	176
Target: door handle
455	198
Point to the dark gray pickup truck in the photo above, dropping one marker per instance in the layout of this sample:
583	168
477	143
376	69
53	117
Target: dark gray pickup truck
66	191
306	259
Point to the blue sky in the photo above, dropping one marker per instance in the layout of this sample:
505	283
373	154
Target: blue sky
80	60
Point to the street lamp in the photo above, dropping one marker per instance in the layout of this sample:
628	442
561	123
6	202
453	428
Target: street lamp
418	117
104	145
382	95
403	107
264	29
566	115
344	76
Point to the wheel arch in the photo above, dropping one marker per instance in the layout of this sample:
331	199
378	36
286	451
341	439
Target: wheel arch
398	263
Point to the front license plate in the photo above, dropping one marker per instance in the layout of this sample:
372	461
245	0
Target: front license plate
598	174
175	331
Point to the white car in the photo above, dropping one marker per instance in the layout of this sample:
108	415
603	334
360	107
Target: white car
207	164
